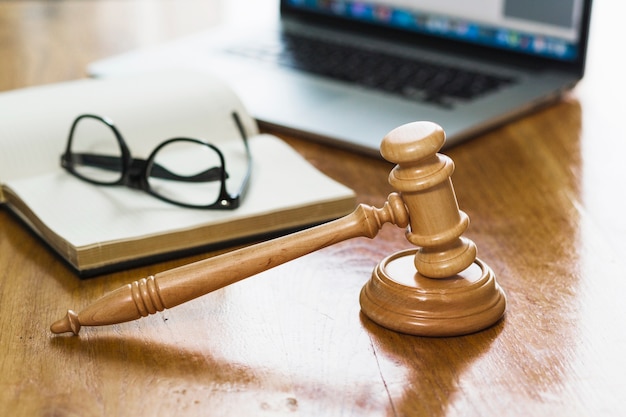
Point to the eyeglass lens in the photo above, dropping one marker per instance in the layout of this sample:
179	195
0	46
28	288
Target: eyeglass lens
187	172
96	152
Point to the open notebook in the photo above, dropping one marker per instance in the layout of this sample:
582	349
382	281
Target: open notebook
346	72
98	229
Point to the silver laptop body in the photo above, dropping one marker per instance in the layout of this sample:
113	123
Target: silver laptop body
534	49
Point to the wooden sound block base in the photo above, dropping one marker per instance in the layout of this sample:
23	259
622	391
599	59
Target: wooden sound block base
399	298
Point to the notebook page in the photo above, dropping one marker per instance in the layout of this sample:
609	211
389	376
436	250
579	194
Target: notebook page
85	214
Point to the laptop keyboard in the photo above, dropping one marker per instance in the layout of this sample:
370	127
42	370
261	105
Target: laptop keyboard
415	79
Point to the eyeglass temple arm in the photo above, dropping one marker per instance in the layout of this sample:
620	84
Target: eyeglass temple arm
112	163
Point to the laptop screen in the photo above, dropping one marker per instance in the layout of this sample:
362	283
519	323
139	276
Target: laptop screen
551	29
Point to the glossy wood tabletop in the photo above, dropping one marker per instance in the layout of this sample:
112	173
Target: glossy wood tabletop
545	198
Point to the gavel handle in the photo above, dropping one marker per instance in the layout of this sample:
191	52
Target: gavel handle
173	287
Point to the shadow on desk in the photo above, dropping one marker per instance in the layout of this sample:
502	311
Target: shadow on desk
422	374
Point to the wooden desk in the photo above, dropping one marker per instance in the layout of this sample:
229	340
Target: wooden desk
545	195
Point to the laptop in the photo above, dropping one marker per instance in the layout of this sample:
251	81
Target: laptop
346	72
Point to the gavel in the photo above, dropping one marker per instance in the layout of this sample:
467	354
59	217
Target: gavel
438	288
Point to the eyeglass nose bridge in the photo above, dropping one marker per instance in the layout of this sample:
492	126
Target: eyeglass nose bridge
135	174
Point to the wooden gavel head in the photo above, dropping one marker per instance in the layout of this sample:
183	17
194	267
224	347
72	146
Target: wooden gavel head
422	177
439	288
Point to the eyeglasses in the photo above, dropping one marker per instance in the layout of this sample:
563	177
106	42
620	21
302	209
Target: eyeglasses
184	171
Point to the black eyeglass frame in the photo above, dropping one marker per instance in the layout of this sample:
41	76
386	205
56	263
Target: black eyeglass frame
134	171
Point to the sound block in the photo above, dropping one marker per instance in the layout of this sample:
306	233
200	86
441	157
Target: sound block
399	298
